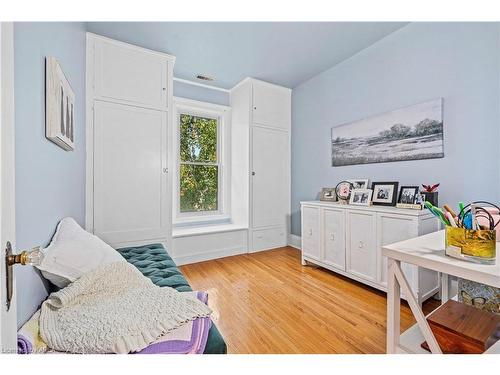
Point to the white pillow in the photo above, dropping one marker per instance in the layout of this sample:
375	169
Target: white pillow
73	252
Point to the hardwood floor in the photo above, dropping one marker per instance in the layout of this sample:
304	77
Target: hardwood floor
268	302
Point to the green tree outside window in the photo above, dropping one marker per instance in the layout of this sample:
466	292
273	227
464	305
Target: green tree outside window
199	169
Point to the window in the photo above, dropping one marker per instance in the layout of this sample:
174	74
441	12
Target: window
201	173
199	168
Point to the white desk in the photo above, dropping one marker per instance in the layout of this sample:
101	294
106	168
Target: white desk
428	252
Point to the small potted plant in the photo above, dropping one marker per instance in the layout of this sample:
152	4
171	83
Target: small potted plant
430	193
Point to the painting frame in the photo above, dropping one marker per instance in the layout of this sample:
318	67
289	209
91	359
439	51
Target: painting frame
391	196
59	106
414	132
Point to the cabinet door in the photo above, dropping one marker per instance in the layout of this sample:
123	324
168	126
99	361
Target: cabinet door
310	232
130	75
271	105
361	246
270	171
394	228
333	238
129	180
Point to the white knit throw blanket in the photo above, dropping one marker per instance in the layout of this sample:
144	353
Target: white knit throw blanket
114	309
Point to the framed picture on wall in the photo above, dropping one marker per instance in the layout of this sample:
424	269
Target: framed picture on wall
59	106
385	193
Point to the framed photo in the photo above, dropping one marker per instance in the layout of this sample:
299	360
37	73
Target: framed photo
420	199
59	106
385	193
361	197
408	194
360	183
328	195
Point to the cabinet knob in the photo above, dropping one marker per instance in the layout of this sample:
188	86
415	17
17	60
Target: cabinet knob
361	244
332	237
253	173
310	232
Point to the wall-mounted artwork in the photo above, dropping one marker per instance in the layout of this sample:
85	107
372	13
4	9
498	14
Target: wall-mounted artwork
59	106
410	133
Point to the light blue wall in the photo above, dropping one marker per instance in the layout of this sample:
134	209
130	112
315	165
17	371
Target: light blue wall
456	61
50	182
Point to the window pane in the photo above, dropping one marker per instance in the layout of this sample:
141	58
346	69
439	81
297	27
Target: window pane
198	139
198	187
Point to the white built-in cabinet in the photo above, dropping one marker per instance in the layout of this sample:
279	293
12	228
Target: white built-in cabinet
129	98
260	160
348	240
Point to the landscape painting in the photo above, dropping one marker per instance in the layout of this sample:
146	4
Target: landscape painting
410	133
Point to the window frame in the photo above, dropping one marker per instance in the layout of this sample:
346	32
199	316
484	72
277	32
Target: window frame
222	114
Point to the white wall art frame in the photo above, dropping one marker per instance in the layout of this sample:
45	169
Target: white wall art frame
59	106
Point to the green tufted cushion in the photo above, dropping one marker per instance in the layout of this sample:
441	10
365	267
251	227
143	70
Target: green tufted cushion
154	262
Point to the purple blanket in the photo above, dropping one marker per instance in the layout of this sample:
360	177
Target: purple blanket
190	338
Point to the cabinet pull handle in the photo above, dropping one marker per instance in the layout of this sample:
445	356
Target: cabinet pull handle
332	237
360	244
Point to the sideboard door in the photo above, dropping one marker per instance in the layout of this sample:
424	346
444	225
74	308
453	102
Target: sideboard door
361	245
334	238
310	232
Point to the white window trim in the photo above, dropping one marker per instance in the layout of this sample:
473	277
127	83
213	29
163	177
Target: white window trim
223	114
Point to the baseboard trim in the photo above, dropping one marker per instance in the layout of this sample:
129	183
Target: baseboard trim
294	241
209	255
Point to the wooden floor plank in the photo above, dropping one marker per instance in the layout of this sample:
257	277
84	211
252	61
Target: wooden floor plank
268	302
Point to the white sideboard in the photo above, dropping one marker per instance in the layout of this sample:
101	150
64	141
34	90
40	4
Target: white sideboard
348	240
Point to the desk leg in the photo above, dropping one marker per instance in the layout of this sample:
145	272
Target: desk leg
416	309
393	307
445	288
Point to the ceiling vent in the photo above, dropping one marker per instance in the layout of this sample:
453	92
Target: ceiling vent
204	77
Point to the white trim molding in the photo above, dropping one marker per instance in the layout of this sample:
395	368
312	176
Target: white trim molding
8	319
205	86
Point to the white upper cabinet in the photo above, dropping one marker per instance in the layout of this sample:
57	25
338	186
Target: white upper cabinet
130	75
271	105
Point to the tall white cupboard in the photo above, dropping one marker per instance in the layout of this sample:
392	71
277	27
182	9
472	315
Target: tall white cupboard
129	99
260	161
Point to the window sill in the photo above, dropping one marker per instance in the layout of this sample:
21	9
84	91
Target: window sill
205	229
